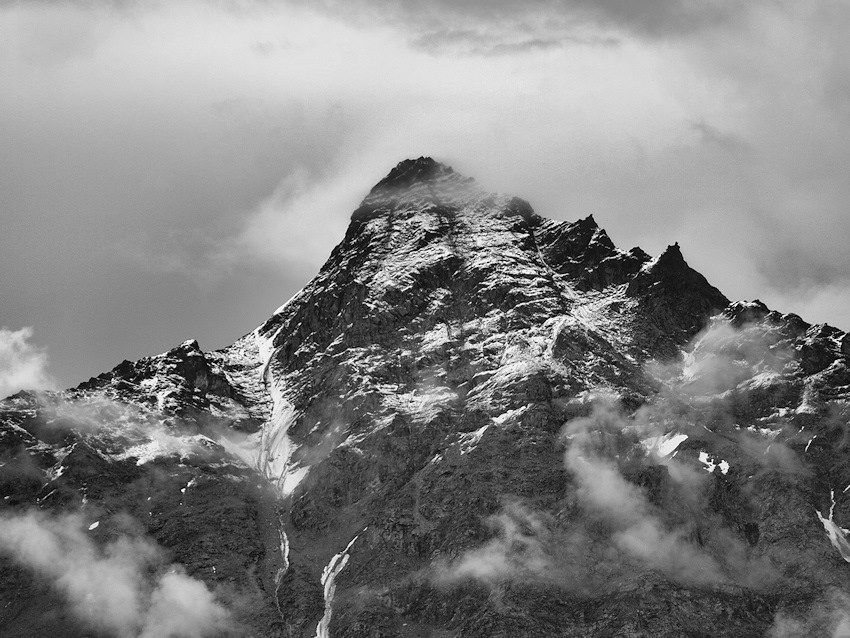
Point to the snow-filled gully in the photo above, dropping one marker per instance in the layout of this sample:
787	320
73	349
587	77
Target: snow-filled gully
274	460
276	448
329	575
284	554
837	535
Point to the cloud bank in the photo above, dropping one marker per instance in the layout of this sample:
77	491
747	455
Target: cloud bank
123	587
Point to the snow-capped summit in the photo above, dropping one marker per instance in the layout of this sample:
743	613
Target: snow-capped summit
421	184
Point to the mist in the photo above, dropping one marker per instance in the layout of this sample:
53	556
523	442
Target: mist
517	551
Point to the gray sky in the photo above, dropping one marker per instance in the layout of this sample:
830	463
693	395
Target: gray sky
175	170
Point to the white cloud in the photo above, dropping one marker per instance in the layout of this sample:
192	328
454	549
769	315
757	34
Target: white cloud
117	587
637	528
23	365
516	551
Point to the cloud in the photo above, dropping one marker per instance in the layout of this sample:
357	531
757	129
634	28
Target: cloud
122	587
652	19
23	365
666	525
641	508
182	606
673	529
138	431
722	356
638	529
301	204
828	617
517	550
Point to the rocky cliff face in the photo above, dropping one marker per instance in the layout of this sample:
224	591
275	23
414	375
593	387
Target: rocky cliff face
472	422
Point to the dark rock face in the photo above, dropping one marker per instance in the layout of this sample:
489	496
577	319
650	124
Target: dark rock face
472	422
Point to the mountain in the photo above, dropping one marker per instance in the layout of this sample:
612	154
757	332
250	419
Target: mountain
472	422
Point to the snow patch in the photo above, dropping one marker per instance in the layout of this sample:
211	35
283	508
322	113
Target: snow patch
810	442
766	432
664	445
709	463
510	415
807	405
281	572
191	483
469	440
435	338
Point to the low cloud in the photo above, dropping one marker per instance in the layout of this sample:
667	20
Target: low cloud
126	429
829	617
641	507
722	356
23	365
124	586
668	525
516	551
673	530
637	528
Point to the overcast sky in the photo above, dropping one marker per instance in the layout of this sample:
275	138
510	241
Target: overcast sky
176	170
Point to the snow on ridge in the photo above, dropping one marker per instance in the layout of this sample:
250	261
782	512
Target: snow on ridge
162	444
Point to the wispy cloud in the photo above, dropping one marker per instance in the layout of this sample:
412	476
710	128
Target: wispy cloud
638	530
517	550
675	529
637	508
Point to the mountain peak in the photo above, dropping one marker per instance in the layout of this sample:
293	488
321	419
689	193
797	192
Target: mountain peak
346	465
410	171
417	182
